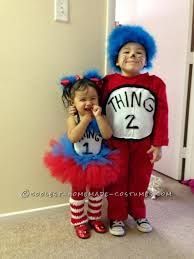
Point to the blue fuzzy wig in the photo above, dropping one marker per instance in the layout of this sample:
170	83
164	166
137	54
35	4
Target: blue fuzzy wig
124	34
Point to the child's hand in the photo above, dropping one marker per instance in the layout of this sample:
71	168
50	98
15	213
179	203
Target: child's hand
156	152
97	111
88	116
72	110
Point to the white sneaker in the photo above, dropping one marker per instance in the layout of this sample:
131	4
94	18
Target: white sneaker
117	228
143	225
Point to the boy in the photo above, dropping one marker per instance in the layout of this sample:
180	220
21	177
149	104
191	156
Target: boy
136	106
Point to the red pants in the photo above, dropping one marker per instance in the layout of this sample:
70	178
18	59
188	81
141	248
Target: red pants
77	202
127	196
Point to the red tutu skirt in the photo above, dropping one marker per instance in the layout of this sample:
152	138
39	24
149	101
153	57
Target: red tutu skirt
96	174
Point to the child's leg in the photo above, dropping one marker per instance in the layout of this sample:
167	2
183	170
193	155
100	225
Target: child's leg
78	216
77	202
95	200
117	208
140	170
117	201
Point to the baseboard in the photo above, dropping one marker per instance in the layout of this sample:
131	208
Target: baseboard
32	210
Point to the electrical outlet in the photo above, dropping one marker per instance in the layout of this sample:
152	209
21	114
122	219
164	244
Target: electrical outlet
61	10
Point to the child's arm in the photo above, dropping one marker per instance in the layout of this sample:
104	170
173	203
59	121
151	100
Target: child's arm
76	131
159	135
103	125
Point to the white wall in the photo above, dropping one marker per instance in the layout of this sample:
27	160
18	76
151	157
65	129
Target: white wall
34	51
169	22
126	11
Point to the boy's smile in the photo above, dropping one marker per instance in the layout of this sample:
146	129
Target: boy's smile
131	59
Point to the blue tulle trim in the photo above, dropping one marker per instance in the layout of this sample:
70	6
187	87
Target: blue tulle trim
65	148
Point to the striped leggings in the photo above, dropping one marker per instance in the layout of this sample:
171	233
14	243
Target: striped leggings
77	201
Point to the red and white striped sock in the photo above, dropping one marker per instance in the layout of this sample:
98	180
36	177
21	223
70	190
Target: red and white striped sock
94	207
78	216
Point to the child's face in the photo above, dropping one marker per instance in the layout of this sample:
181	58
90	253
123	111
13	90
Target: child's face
84	100
131	59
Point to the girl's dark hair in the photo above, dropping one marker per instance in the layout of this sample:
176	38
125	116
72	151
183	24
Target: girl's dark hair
81	84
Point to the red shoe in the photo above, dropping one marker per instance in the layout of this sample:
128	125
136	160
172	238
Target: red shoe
98	226
82	231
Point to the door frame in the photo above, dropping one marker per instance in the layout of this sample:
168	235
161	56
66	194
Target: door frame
188	171
110	23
